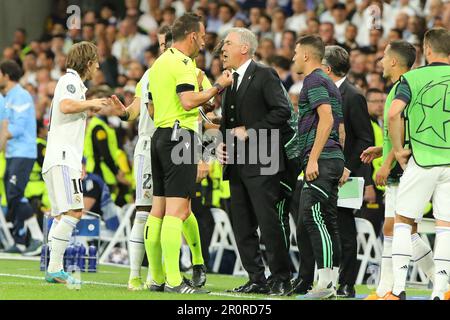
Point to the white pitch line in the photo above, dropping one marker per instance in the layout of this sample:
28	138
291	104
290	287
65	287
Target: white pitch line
220	294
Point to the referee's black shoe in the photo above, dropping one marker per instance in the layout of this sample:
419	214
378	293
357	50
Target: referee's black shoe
300	286
252	287
184	288
198	275
281	288
346	291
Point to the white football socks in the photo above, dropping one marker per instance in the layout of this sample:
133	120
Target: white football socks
325	278
423	256
441	262
401	255
386	277
60	240
136	244
50	233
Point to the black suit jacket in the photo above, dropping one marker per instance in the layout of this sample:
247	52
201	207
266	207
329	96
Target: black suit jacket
260	104
358	130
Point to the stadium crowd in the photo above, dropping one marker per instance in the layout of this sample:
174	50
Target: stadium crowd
127	41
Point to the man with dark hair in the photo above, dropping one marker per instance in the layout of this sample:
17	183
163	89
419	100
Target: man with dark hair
18	136
321	138
422	94
358	137
174	90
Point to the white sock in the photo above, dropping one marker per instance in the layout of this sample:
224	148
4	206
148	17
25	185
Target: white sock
401	255
386	277
35	231
50	233
441	262
423	256
136	244
60	241
335	274
325	278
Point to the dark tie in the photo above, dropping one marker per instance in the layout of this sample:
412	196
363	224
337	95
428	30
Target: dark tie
234	88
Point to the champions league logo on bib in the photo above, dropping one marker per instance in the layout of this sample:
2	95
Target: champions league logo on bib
433	103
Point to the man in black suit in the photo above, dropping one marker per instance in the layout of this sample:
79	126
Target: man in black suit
255	114
358	137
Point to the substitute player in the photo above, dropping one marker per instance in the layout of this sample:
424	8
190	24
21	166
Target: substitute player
398	59
62	171
423	95
175	94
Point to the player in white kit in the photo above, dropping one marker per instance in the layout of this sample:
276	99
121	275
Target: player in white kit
62	170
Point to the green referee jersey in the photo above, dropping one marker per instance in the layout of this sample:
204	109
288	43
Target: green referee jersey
171	74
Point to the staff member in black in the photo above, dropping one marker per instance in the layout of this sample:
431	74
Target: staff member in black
255	102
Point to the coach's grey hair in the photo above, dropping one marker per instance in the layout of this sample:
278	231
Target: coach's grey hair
246	37
337	59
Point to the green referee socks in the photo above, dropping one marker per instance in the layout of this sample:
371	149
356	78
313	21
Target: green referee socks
171	245
192	236
152	242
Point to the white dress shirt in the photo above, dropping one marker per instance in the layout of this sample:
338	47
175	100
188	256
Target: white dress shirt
340	82
241	71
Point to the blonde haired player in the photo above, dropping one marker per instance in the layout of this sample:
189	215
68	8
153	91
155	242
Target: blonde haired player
62	170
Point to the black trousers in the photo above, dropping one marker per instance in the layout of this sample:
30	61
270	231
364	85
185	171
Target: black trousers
288	185
253	204
16	178
318	214
347	229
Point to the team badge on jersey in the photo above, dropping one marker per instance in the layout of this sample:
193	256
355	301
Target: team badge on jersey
71	88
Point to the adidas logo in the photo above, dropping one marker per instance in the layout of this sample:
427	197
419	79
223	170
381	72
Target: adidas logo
442	272
404	267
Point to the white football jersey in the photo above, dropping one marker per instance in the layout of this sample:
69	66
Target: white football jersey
65	140
146	124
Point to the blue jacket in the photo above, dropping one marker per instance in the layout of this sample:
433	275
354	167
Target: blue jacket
21	116
2	108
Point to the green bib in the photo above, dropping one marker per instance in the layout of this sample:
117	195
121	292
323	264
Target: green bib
428	115
387	144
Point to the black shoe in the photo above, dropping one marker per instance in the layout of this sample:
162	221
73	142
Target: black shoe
281	288
252	287
198	275
300	286
154	287
346	291
184	288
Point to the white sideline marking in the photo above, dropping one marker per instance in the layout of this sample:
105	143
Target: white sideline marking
220	294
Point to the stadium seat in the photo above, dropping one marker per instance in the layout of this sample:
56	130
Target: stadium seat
223	239
121	235
369	250
5	235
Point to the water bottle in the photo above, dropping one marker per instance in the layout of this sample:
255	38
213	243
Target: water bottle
92	259
43	262
82	258
69	257
76	254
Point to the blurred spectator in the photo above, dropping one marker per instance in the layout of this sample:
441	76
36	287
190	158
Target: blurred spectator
297	21
148	21
130	45
226	14
279	22
313	25
351	31
327	15
282	66
339	13
266	50
29	69
375	104
375	81
265	27
168	16
254	15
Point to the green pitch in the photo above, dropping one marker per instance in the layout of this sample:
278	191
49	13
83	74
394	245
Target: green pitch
22	280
